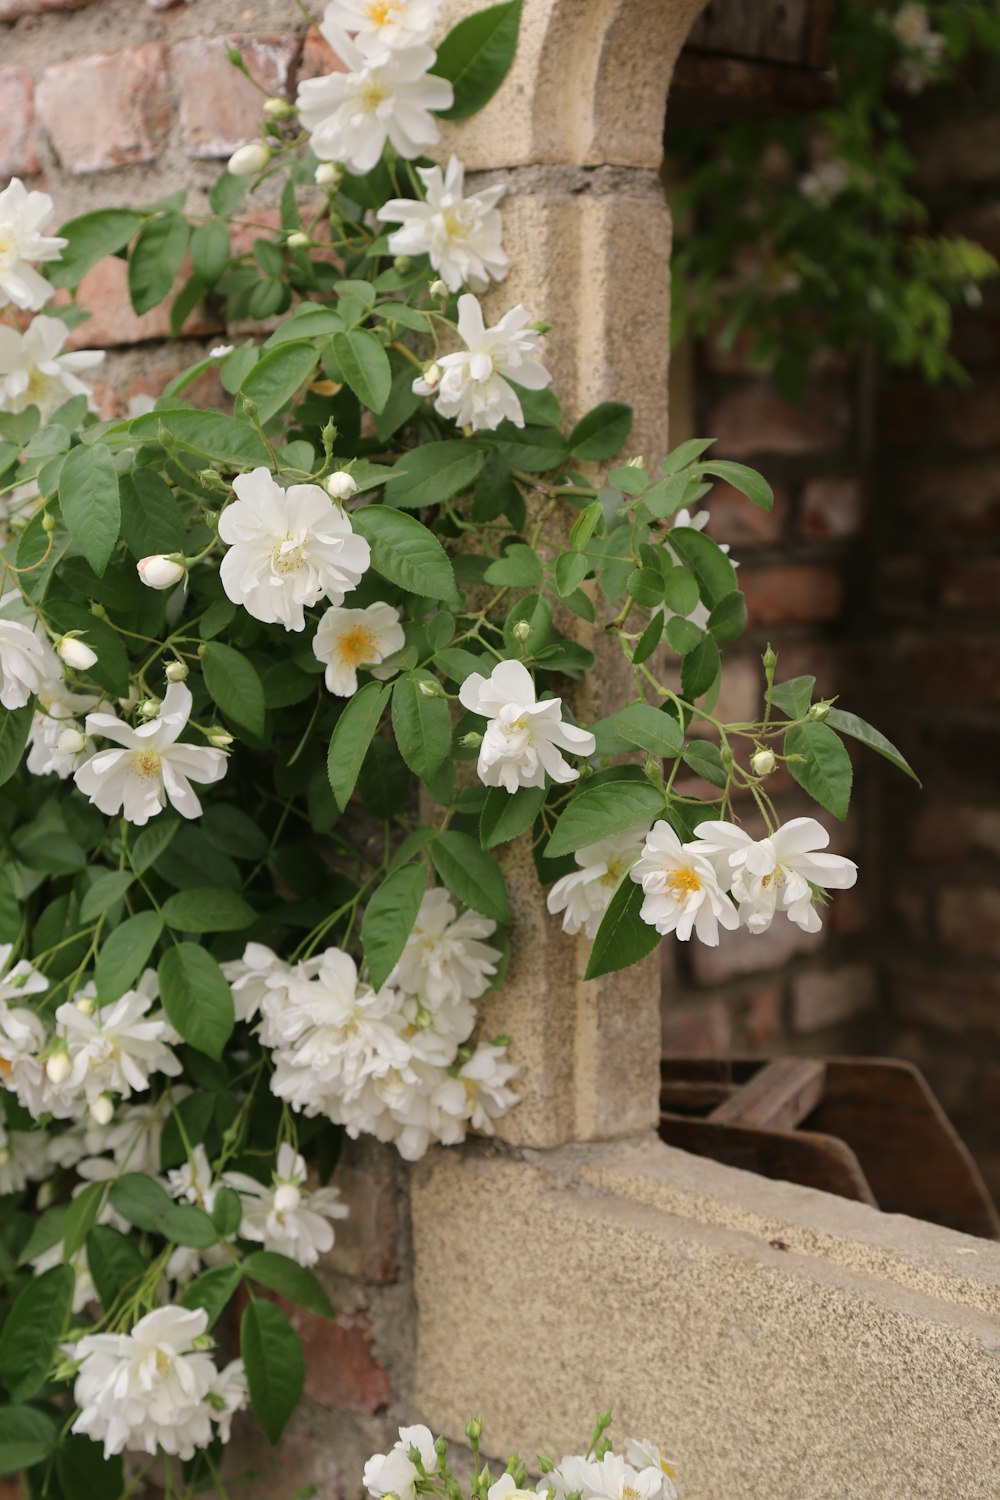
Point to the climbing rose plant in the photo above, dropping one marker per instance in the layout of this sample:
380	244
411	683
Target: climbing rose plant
278	681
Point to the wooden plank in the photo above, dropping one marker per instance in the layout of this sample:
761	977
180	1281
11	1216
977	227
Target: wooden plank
779	1097
680	1096
711	89
772	30
816	1161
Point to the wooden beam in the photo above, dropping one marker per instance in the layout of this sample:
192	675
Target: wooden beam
779	1097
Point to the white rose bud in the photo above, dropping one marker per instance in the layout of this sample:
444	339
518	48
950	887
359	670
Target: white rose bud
287	1198
86	1005
432	376
278	109
428	689
763	762
58	1067
75	653
635	463
818	712
160	571
298	240
149	708
249	160
341	486
176	671
521	630
102	1110
328	176
70	742
219	739
438	289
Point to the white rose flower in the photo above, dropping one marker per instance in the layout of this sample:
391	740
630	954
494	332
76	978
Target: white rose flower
347	639
23	216
393	23
257	974
776	873
642	1454
446	960
114	1048
24	1158
151	769
506	1489
524	737
478	1093
461	235
287	549
682	892
24	658
227	1396
55	740
393	1473
571	1475
472	388
612	1478
385	96
147	1389
585	894
35	372
16	509
286	1217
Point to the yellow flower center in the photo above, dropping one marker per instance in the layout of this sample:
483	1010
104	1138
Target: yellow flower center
146	763
380	11
287	556
356	646
616	869
5	1066
453	225
629	1492
371	96
39	385
684	882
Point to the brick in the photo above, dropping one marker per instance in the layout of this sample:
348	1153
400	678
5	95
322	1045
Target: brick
759	421
972	417
831	508
903	585
366	1247
962	497
958	151
760	1011
744	952
912	907
699	1030
18	157
949	832
969	920
970	583
733	519
798	594
205	392
103	293
318	57
820	999
905	413
341	1370
108	110
847	914
10	10
948	999
219	108
964	669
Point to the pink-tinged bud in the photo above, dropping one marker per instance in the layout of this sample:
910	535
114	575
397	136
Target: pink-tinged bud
247	161
73	651
160	571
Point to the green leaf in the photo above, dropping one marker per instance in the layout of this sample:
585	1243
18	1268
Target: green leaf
685	453
536	449
705	761
27	1437
81	1216
109	887
31	1334
645	586
156	259
602	432
274	1364
143	1202
235	686
211	1290
434	472
124	954
504	816
115	1262
210	250
599	812
747	481
536	613
825	770
282	1275
683	635
585	524
111	669
84	1473
571	569
226	193
650	729
680	591
623	938
47	1231
868	735
272	382
496	492
389	918
706	560
227	1211
794	696
422	726
352	734
90	504
700	668
211	435
476	55
151	842
89	239
207	910
15	724
196	997
406	553
365	366
151	518
471	875
728	619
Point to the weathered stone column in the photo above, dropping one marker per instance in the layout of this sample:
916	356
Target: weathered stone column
576	131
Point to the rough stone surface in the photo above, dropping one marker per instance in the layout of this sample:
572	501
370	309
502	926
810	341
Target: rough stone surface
107	110
18	156
220	109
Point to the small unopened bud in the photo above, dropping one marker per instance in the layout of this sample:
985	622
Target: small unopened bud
521	630
220	739
474	1429
441	1449
49	522
248	160
102	1110
203	1342
341	486
86	1005
45	1195
149	708
545	1465
278	109
287	1198
71	742
328	176
726	757
298	240
636	463
471	741
819	711
769	660
58	1067
432	376
763	762
437	288
402	264
175	671
4	1155
75	653
160	571
540	327
429	689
